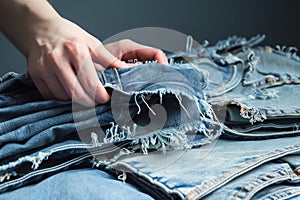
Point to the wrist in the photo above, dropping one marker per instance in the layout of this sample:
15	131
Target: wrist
22	21
41	21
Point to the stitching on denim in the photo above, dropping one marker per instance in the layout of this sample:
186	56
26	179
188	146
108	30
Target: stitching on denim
204	188
42	171
104	77
105	162
117	79
133	169
279	192
248	193
36	160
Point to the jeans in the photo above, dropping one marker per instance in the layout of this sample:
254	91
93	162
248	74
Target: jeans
39	138
78	184
214	124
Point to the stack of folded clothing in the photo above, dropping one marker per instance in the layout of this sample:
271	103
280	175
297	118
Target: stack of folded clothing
221	122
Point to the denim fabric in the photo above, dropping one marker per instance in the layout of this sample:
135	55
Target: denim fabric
78	184
260	98
230	170
169	153
39	138
256	83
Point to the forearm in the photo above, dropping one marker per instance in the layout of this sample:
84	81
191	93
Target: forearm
22	20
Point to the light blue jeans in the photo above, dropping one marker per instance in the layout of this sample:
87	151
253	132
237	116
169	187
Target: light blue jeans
216	127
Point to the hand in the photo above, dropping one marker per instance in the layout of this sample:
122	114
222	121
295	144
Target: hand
127	50
61	63
62	57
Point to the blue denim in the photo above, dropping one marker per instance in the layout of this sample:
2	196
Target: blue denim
233	82
248	162
251	84
78	184
230	170
39	138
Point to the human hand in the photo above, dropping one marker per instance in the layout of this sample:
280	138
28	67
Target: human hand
64	59
62	63
61	56
128	50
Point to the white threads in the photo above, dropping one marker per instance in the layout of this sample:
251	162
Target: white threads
134	128
179	98
198	107
7	176
122	176
189	43
160	97
95	141
153	140
139	108
143	99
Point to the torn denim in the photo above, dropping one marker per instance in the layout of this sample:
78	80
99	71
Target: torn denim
257	156
233	82
39	138
251	84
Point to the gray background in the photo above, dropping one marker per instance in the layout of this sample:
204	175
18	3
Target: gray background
205	20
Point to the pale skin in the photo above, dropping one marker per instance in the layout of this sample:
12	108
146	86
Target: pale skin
62	58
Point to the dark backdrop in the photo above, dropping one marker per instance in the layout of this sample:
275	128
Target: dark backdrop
205	20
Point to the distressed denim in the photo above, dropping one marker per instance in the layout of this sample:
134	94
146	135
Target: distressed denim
251	84
39	138
232	82
261	103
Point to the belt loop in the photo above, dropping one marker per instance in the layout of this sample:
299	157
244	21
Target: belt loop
104	77
117	79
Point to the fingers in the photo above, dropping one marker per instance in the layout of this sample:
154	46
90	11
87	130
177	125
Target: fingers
102	56
127	50
146	54
43	89
88	84
69	72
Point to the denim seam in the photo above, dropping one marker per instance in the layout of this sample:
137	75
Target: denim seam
259	183
272	195
104	77
149	179
218	182
37	159
117	79
43	171
271	135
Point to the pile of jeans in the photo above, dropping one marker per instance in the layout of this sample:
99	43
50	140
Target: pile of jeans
220	122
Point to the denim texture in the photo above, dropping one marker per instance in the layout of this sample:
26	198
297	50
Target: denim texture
231	128
43	134
231	170
259	147
251	84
